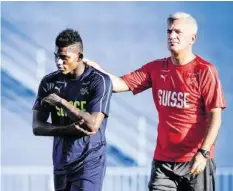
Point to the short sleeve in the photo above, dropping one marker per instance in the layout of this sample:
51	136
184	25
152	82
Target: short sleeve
42	92
101	93
139	80
211	89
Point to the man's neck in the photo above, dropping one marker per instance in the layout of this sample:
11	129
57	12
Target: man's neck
182	58
78	71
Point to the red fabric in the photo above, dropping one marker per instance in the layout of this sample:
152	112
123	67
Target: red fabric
183	96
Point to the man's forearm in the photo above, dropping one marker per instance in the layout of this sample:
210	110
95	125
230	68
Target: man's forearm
77	115
48	129
212	132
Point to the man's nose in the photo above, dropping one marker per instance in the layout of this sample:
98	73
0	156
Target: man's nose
59	62
172	35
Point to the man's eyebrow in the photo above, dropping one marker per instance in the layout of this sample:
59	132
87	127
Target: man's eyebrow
60	55
174	29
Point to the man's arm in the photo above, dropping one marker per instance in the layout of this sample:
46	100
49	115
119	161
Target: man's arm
42	128
215	120
41	112
199	161
136	81
214	101
118	83
90	121
98	105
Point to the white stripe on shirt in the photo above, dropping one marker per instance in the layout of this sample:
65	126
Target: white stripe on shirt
109	91
101	100
219	90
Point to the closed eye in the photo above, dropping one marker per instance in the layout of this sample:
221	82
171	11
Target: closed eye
169	31
176	31
63	57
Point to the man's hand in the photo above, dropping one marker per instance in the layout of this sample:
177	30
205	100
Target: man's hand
199	164
77	127
52	99
119	85
93	64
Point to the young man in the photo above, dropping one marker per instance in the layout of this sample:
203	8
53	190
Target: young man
77	96
189	99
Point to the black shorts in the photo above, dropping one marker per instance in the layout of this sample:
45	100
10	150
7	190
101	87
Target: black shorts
174	176
89	177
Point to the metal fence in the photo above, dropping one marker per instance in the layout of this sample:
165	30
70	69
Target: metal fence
25	178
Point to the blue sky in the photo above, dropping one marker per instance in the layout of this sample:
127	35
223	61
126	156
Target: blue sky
123	36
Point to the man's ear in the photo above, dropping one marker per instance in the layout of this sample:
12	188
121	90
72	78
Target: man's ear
80	56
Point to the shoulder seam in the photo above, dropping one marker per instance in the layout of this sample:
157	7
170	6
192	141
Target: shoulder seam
208	68
105	89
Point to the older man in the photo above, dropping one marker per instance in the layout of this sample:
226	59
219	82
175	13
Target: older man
189	99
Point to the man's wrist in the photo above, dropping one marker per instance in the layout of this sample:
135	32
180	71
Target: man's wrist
61	102
205	153
205	147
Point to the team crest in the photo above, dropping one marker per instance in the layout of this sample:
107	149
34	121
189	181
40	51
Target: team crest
84	91
191	78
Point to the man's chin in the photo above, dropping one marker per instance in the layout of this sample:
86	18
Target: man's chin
173	49
64	72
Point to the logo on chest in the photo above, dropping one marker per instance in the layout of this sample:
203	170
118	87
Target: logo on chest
163	76
58	89
84	91
78	104
192	78
173	99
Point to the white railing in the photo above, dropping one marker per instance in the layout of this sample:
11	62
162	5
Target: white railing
26	178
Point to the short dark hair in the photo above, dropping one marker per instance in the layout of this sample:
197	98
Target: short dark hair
68	37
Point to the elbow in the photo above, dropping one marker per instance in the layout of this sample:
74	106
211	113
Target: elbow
90	125
220	123
36	130
93	128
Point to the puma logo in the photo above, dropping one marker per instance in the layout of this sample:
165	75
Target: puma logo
163	77
86	83
58	89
